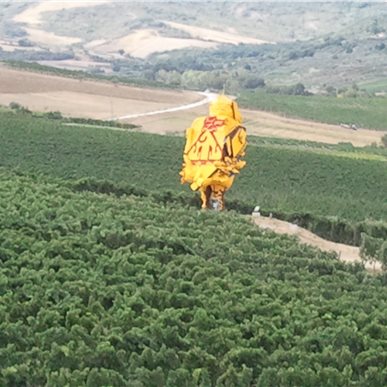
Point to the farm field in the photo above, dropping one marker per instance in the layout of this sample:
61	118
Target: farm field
112	275
283	179
377	86
84	98
100	290
103	100
364	112
107	269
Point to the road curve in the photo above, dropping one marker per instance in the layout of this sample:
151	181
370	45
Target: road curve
208	98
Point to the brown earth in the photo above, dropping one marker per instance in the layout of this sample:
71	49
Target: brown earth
207	34
273	125
84	98
345	253
104	100
265	124
145	42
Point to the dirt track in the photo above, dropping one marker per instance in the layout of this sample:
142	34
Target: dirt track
345	253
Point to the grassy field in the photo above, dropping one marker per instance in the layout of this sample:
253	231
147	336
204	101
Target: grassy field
364	112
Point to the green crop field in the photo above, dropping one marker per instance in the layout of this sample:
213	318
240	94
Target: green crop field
365	112
328	189
97	290
375	86
109	276
110	273
277	178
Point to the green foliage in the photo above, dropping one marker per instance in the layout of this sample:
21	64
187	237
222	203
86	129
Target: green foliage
54	115
283	178
374	86
19	108
383	254
374	249
369	247
94	122
303	52
365	112
97	290
25	43
297	89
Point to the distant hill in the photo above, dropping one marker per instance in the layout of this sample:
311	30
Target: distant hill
197	44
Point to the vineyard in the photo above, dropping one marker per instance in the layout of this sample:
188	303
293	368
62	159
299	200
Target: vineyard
97	290
365	112
320	187
111	272
110	275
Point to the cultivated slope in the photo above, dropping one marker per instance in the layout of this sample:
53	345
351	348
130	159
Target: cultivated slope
99	290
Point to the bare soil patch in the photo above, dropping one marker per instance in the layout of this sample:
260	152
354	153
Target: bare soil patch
11	46
84	98
104	100
214	35
142	43
73	64
264	124
272	125
345	253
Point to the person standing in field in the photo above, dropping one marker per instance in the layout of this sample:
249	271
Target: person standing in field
212	152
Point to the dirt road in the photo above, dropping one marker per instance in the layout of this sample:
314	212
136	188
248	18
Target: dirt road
345	253
205	101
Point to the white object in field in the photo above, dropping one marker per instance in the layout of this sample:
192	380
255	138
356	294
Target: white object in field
256	211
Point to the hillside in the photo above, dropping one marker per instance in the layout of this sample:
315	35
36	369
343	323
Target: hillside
282	177
110	275
191	43
98	290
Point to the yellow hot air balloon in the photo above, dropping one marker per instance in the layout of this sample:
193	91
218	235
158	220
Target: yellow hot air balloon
214	146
